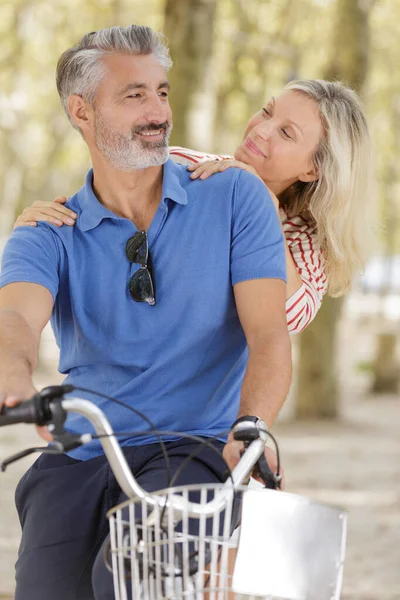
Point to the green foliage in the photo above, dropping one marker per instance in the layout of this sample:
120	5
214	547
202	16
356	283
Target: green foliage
258	45
42	156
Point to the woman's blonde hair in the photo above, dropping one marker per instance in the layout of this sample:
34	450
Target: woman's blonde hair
338	201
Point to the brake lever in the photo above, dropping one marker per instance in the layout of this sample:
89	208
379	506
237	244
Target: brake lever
271	480
63	440
14	457
62	443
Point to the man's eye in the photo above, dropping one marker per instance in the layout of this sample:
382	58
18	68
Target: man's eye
164	94
266	113
133	96
285	133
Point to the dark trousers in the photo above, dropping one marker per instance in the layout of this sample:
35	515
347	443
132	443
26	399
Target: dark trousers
62	505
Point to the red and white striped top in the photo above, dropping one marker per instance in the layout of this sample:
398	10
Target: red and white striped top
301	239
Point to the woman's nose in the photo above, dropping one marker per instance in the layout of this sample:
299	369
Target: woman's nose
265	129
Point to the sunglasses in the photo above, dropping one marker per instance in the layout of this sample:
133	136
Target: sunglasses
141	284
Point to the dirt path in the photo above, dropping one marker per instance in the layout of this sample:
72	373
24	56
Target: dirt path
354	464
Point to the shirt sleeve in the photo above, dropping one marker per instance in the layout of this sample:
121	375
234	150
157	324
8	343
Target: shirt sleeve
31	255
303	305
257	246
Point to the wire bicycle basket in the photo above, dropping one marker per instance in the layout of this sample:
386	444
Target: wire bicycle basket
160	554
289	548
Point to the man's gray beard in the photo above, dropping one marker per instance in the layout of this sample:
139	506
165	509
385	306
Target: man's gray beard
127	154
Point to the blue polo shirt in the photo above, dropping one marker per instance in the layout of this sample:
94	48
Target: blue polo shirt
182	361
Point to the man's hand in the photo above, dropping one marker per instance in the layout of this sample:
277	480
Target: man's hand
232	453
15	387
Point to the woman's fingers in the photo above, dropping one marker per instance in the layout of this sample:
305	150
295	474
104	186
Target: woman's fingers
58	212
57	205
205	169
61	199
36	215
33	215
20	223
51	212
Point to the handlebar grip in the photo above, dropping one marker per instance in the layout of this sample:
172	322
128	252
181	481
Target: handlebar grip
26	412
37	409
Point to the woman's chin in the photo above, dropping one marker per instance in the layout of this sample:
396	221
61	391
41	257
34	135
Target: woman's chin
243	155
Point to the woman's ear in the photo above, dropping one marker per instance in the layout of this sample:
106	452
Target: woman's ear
311	175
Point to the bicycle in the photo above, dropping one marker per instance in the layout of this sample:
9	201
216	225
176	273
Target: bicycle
154	555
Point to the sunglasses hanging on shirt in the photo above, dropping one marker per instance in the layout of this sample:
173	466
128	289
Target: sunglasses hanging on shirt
141	284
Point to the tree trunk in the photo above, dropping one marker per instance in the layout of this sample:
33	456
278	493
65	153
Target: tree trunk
317	381
350	44
386	368
386	365
318	377
189	27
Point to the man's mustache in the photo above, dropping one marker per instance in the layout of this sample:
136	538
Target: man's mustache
151	127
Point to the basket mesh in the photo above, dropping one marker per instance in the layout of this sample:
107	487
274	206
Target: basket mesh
172	556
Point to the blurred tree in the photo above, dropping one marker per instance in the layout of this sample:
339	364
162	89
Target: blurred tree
386	366
317	391
42	156
189	27
254	48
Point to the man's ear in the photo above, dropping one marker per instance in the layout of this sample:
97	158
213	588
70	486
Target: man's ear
80	111
311	175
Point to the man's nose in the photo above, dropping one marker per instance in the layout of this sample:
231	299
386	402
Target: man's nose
156	110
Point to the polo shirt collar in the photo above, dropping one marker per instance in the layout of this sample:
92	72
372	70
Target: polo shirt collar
172	188
93	212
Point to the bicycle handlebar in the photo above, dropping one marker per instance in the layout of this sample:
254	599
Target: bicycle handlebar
39	410
36	411
23	413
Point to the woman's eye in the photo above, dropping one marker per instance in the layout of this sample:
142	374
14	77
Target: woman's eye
285	133
266	113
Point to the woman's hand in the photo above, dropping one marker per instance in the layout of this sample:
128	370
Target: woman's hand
209	167
51	212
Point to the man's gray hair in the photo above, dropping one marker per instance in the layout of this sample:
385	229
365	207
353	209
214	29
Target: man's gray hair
80	69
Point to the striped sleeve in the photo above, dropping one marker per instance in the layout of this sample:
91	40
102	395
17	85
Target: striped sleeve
303	305
185	156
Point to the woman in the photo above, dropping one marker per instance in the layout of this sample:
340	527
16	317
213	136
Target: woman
311	147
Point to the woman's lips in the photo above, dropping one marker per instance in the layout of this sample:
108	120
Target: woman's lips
253	148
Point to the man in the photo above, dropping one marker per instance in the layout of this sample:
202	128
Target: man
155	296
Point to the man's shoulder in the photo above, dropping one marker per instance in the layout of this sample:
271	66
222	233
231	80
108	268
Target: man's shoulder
239	184
74	203
224	187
